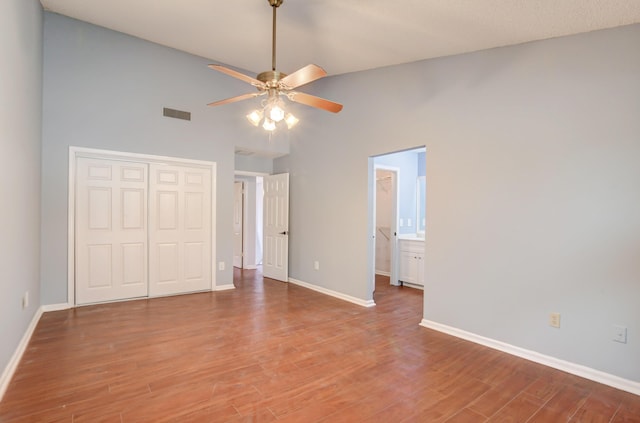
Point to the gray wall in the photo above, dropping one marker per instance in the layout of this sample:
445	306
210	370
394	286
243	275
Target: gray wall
106	90
533	171
254	164
20	129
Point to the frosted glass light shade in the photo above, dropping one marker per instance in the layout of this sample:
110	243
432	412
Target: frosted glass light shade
269	125
255	117
272	112
276	113
291	120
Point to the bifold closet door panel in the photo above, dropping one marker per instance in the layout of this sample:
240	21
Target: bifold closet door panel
110	230
179	229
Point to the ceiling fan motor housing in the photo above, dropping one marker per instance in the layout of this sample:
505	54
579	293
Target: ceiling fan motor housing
275	3
271	78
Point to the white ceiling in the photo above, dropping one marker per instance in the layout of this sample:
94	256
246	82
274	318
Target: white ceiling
345	35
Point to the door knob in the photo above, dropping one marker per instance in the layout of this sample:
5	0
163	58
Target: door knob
283	233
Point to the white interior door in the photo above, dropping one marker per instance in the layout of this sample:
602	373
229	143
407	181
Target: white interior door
383	194
238	214
275	264
179	229
111	230
393	205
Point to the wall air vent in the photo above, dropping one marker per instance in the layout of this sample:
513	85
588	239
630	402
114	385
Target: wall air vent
177	114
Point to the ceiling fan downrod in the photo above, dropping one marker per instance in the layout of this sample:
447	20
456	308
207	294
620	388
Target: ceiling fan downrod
274	4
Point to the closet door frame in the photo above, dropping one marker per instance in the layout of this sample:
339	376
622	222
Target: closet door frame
76	152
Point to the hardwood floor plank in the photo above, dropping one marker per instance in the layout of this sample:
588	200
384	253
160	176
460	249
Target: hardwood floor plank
600	406
466	416
629	410
497	397
273	352
519	409
461	396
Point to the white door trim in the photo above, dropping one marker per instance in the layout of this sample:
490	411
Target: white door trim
75	152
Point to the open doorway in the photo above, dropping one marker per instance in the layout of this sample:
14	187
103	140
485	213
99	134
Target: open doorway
386	221
397	204
248	221
238	223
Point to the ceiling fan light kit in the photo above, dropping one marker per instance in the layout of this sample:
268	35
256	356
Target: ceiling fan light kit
276	85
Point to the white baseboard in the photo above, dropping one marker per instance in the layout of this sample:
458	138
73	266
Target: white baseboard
556	363
224	287
8	372
56	307
339	295
250	267
383	273
413	285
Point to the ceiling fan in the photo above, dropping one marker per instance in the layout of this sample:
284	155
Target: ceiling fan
275	84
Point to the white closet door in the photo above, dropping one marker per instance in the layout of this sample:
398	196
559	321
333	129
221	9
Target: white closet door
179	229
111	230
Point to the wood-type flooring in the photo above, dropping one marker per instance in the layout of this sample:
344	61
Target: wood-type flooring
275	352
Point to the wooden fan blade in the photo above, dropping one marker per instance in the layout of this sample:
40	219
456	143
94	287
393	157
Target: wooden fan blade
238	75
234	99
303	76
313	101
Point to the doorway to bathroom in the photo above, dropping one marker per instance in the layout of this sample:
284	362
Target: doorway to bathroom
397	203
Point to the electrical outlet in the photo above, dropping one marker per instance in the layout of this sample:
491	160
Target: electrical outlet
554	320
620	334
316	265
221	265
25	300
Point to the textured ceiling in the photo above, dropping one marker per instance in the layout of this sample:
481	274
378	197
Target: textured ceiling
345	35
